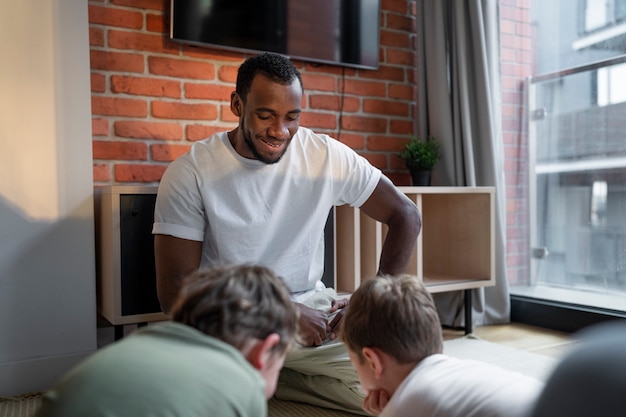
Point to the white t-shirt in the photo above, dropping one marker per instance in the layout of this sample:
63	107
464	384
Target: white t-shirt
441	386
246	211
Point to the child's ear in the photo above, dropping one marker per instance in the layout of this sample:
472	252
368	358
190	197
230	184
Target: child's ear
261	350
374	360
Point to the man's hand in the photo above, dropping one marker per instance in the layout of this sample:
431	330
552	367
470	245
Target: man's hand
375	401
313	326
340	306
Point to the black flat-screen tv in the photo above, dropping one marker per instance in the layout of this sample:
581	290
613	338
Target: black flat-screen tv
339	32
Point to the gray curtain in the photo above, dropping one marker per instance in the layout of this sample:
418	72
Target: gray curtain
459	103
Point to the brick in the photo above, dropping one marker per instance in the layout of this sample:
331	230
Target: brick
101	173
208	53
394	108
148	130
351	104
226	115
96	36
116	61
319	120
376	159
352	140
159	5
109	16
508	55
125	107
227	73
198	132
137	41
401	57
507	26
364	124
143	86
395	39
402	91
325	102
139	172
402	127
386	72
100	127
157	23
117	150
167	153
319	82
177	110
400	22
181	68
98	83
365	88
208	91
385	143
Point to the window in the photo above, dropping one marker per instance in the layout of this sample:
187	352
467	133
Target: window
577	154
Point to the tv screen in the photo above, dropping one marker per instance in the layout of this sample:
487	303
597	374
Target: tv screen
340	32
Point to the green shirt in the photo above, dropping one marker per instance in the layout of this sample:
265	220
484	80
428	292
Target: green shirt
164	370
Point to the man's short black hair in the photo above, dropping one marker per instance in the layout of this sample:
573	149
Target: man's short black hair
276	67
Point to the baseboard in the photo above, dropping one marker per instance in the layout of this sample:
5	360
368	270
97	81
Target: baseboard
35	375
558	315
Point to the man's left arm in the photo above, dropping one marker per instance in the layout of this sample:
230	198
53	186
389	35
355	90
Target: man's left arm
390	206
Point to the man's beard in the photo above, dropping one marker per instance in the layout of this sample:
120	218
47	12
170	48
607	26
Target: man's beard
252	146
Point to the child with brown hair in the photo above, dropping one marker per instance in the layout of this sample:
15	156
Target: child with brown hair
220	355
394	339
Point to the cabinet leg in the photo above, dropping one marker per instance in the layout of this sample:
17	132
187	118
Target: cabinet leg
468	311
118	331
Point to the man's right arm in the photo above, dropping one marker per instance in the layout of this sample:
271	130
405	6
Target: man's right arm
175	258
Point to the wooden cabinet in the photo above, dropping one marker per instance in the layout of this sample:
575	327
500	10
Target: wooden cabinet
454	251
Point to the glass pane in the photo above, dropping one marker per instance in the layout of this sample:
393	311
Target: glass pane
578	139
577	153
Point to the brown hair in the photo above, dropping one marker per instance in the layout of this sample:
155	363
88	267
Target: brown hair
237	303
396	315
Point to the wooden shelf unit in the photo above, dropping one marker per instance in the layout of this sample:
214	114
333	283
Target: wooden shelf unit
126	280
454	251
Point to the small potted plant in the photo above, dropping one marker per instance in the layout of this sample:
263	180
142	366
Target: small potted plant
420	156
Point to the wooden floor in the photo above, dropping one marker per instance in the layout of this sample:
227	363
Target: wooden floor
521	336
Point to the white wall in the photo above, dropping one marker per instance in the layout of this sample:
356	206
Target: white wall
47	261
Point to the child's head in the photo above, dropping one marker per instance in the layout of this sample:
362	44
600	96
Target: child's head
396	315
247	307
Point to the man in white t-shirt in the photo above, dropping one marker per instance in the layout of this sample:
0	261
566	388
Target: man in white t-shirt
261	193
393	335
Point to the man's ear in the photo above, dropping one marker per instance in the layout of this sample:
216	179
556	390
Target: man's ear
260	352
235	104
375	360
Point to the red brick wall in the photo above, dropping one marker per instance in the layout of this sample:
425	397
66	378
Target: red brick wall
516	66
151	97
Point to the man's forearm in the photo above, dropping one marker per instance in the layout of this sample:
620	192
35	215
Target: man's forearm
400	242
174	260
